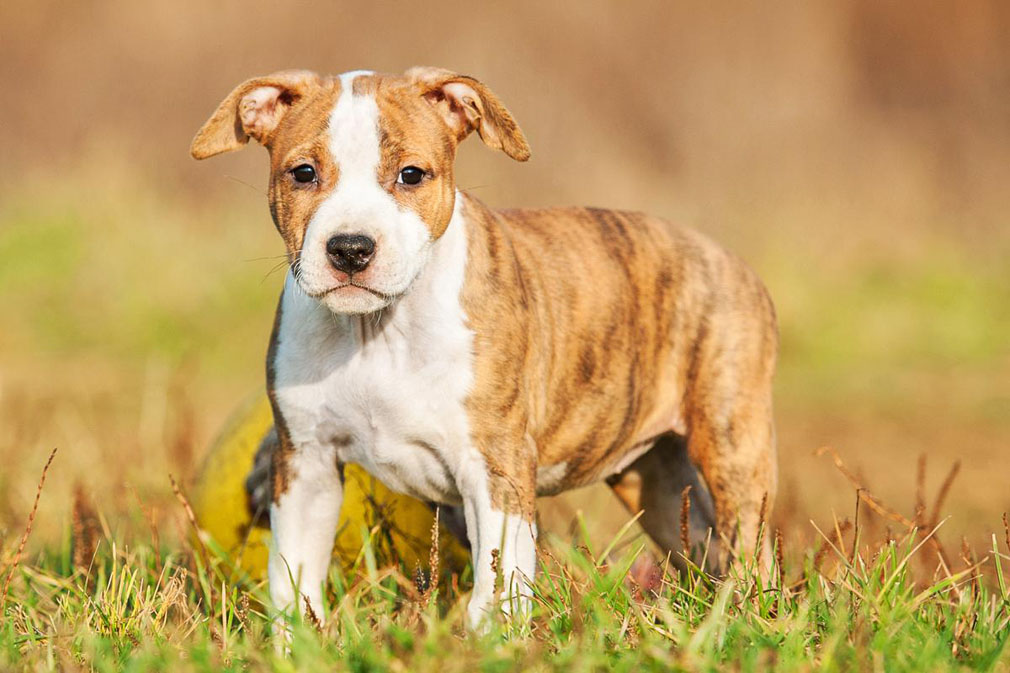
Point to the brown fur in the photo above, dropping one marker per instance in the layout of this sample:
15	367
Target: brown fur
598	332
610	342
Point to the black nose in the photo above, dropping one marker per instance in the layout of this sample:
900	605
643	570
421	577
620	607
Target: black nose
350	253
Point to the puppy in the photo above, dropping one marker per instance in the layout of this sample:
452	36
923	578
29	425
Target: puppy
480	357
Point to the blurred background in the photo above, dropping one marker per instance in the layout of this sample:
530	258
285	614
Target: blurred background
855	152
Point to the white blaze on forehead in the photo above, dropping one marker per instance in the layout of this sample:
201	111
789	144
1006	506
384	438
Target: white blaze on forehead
354	133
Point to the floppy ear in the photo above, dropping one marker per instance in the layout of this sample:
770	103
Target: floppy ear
467	105
252	110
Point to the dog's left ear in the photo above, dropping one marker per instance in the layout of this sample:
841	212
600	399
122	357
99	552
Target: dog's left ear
467	105
252	110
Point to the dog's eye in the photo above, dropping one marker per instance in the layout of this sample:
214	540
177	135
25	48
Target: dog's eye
411	175
303	173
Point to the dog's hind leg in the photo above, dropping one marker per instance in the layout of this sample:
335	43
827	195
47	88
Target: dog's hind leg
737	460
736	456
731	436
654	484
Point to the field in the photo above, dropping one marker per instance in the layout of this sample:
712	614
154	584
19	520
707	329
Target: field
130	607
857	156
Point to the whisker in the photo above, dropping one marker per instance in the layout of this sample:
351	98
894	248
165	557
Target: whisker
264	259
243	182
274	270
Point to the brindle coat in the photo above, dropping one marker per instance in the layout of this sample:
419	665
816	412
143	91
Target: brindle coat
600	331
608	345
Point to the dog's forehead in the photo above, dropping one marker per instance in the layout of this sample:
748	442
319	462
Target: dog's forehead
335	106
392	94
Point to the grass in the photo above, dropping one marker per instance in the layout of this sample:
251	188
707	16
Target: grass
106	604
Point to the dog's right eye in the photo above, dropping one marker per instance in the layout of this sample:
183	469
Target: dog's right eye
303	173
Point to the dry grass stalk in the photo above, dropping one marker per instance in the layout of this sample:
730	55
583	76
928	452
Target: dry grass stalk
310	615
867	497
243	611
855	530
85	529
28	530
831	542
941	496
880	508
839	536
780	565
433	562
192	518
685	521
970	563
921	524
762	513
920	492
1006	530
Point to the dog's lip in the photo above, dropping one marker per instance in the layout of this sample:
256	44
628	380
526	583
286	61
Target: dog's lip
381	295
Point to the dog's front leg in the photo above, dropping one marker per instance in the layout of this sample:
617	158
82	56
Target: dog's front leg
502	531
303	521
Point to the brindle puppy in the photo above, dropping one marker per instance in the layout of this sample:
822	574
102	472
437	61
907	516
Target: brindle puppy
481	357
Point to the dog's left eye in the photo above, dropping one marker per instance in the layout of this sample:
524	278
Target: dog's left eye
411	175
303	173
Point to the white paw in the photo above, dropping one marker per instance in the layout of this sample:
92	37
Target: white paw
478	613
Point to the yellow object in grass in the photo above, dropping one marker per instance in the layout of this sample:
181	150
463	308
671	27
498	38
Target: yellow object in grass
398	526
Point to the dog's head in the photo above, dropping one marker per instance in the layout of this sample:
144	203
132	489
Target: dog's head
361	180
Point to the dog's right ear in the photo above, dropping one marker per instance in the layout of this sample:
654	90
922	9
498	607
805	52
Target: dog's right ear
467	105
252	110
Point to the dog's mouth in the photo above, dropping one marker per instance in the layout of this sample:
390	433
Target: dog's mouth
342	286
